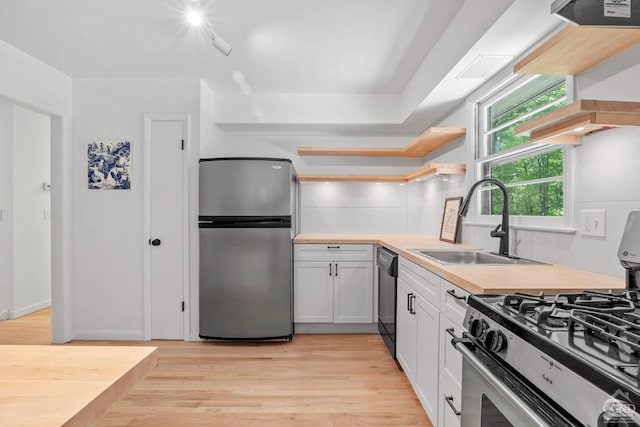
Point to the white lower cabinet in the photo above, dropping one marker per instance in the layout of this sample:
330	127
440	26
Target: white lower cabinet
406	331
426	385
449	405
423	340
313	292
328	289
417	345
450	358
353	292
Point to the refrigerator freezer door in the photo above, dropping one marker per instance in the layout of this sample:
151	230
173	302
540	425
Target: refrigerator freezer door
245	283
246	187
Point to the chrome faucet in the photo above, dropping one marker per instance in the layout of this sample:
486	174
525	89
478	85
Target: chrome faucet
496	232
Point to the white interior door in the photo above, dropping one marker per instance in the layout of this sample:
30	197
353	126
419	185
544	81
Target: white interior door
166	224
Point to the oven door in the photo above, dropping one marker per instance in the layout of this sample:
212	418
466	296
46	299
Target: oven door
492	396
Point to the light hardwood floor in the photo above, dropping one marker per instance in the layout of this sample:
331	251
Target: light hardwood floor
33	329
316	380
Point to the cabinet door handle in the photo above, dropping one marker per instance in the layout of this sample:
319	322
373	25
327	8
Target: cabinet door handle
336	269
330	269
409	295
333	247
456	296
411	309
449	400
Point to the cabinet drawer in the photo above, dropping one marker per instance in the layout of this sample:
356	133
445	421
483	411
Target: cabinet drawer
453	301
332	252
449	405
421	280
450	359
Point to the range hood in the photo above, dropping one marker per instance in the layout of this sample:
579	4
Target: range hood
602	13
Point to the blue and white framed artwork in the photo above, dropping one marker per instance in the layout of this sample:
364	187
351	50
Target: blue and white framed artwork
109	165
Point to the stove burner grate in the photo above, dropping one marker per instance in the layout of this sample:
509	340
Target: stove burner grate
553	312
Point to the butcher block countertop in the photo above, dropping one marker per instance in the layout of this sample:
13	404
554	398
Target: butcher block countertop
66	385
480	279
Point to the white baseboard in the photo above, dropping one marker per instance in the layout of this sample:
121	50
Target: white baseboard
336	328
14	314
109	335
4	314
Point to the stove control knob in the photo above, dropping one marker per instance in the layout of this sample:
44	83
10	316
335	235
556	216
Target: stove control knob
477	327
495	341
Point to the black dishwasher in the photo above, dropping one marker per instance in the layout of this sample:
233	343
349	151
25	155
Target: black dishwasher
387	276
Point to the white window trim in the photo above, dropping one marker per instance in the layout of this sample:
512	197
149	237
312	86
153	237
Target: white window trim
564	224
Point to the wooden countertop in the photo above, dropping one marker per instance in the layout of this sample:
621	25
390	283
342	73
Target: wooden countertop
66	385
481	279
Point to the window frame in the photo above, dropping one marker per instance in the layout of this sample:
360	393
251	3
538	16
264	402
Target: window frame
481	119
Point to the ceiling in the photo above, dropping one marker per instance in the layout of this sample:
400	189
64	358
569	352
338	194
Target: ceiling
373	47
329	46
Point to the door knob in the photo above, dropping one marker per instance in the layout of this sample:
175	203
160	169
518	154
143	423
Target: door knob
155	242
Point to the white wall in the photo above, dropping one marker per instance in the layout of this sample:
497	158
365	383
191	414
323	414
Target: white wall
6	205
31	212
108	235
27	81
209	141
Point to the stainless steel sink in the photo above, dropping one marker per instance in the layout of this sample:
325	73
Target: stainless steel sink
470	256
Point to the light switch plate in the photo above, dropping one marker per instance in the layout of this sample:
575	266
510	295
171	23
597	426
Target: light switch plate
593	223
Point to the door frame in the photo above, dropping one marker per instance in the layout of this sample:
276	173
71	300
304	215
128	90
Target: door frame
146	217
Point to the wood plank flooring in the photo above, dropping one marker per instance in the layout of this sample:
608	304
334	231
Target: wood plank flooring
316	380
32	329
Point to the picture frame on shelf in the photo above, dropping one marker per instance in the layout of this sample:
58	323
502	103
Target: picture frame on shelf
450	220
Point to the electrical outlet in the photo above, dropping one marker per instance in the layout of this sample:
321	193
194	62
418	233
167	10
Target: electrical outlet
593	223
46	215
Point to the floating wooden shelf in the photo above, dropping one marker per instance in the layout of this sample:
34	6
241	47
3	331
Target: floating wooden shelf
426	170
428	141
568	124
576	49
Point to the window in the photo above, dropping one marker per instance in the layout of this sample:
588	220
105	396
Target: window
532	173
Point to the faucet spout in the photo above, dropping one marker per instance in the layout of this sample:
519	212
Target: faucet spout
502	230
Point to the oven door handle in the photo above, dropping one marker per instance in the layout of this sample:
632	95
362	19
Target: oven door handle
499	385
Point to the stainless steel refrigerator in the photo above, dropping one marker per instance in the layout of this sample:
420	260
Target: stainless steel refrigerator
247	223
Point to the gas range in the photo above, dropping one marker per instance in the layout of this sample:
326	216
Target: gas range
581	352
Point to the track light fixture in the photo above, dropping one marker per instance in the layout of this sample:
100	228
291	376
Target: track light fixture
197	18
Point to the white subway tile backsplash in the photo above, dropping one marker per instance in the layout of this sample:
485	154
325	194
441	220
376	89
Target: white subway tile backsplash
454	186
520	244
597	253
326	220
380	195
416	220
326	194
380	220
414	195
553	248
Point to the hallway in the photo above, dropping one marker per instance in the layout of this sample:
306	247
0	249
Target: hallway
32	329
